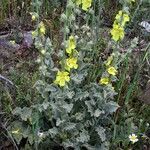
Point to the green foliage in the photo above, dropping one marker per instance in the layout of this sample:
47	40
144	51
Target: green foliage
82	114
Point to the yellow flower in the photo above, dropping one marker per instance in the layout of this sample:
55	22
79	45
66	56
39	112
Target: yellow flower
71	44
133	138
119	15
112	71
109	60
33	17
122	18
61	78
34	34
69	50
42	28
12	42
85	4
15	131
104	80
117	32
126	17
71	63
43	51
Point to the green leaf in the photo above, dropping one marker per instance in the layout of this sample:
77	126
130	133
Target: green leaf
16	129
111	107
48	45
16	111
21	130
101	132
53	132
26	113
81	95
69	126
67	107
68	143
78	77
45	105
98	112
79	116
31	138
70	94
59	122
84	137
89	105
50	88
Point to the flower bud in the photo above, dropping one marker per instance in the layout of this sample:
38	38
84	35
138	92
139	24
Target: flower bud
33	17
43	51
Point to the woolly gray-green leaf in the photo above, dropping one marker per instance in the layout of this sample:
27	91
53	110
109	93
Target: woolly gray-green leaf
84	137
53	132
111	107
67	107
69	126
101	132
26	113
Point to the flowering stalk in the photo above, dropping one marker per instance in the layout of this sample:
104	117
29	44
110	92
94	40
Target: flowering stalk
70	48
110	71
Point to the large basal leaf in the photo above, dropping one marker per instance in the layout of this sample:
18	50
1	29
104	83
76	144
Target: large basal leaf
24	113
16	130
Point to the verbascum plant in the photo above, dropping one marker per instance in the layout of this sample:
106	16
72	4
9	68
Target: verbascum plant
69	63
75	110
79	108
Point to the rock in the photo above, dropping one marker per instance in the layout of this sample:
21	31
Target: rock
7	49
27	39
145	96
